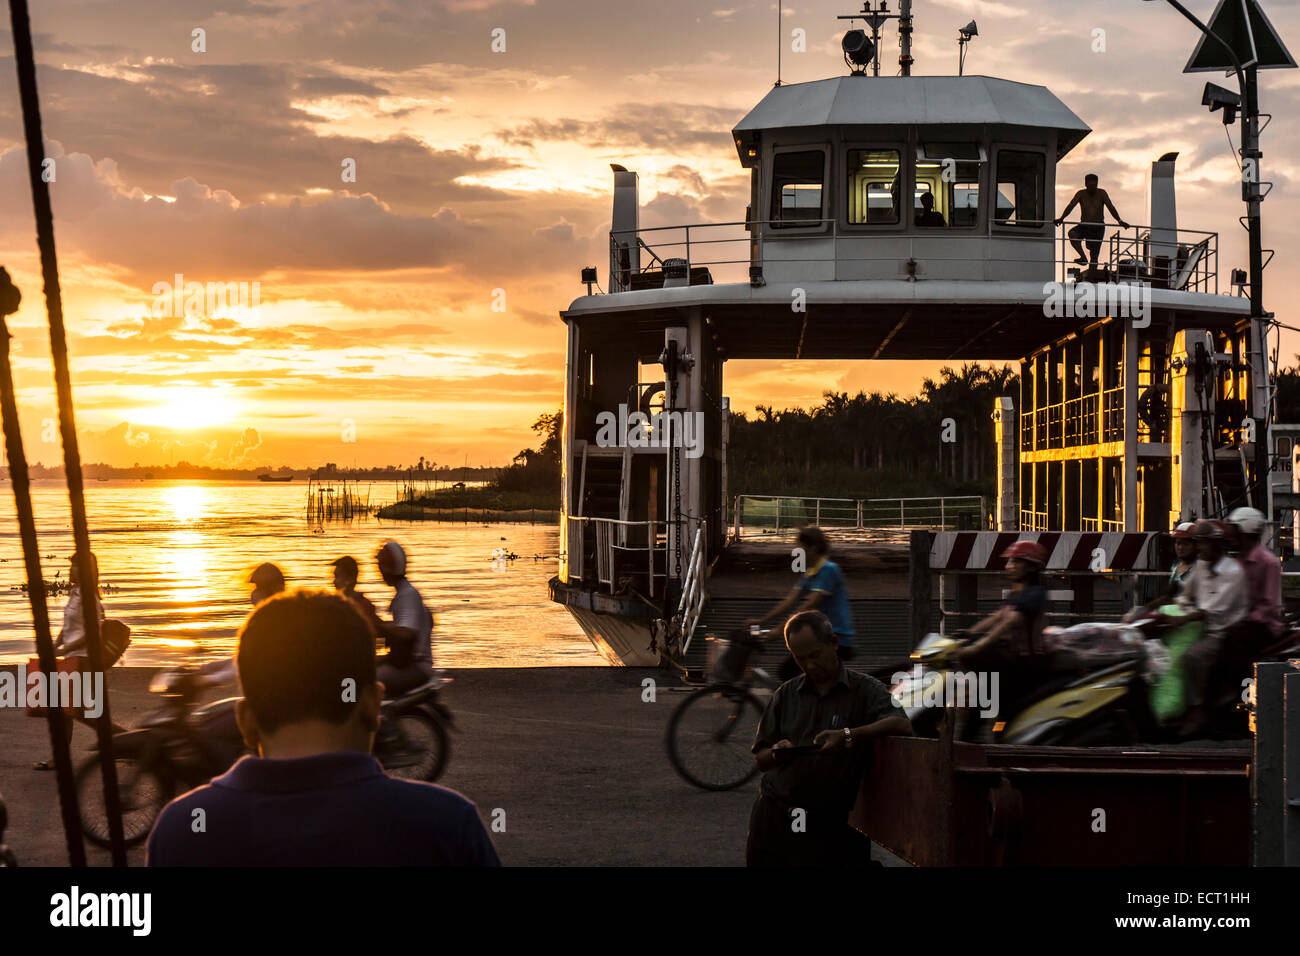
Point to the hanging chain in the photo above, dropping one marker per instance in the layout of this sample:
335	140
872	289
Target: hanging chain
677	481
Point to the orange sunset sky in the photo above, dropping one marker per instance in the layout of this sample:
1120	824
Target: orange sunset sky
476	171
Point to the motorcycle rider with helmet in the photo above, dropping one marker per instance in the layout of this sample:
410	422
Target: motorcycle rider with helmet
1263	624
1009	641
1216	594
409	636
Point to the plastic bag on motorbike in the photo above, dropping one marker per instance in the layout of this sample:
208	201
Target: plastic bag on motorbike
1093	643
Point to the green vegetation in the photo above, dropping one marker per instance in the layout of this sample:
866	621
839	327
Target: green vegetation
861	446
528	490
486	497
876	445
537	470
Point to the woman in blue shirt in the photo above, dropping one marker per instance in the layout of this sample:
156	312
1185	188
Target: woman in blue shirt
820	588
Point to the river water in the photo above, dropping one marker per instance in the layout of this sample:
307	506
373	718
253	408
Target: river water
174	556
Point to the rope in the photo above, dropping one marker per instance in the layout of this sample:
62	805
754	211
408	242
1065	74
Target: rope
18	476
25	59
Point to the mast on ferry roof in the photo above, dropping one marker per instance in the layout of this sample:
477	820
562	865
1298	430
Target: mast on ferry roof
861	51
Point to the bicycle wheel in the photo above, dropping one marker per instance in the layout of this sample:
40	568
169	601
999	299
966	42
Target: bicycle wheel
418	749
143	793
710	734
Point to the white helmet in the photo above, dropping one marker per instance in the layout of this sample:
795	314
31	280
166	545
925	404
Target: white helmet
1248	520
391	558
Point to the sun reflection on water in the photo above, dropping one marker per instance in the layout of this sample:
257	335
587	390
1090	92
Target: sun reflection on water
187	502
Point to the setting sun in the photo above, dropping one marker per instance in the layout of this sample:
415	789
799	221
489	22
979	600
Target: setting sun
186	407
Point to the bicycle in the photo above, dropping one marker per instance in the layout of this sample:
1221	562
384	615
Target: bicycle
714	728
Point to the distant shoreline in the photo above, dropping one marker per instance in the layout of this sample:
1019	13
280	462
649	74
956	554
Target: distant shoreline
404	511
99	472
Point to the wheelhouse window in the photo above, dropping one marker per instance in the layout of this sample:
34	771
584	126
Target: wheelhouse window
1022	188
797	180
949	174
875	187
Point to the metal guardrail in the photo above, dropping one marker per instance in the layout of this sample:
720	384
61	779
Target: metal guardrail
758	515
1040	521
1059	595
691	604
1189	261
611	533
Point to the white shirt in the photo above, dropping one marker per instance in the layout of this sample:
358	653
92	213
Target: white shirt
1221	593
74	627
408	610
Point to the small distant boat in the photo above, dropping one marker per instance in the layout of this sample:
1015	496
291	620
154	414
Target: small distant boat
275	477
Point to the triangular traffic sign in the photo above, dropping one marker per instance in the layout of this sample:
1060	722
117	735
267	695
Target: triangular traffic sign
1244	26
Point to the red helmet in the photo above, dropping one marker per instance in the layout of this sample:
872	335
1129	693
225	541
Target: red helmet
1027	551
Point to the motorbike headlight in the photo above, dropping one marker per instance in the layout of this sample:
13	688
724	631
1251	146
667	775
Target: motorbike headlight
1033	734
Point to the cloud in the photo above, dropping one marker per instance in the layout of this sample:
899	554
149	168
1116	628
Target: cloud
659	126
247	443
560	232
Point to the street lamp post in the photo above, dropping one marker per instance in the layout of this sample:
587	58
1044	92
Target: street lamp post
1248	83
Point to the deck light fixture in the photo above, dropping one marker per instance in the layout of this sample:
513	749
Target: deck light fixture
858	49
966	34
589	277
1217	98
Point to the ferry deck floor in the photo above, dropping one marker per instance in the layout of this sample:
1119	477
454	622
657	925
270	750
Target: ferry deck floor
754	573
573	756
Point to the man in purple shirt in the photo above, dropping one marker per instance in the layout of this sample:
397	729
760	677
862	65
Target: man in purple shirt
313	795
1264	576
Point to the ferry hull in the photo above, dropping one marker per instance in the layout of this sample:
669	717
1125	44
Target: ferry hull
618	627
622	641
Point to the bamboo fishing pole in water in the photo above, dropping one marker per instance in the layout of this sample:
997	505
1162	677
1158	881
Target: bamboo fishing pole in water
25	59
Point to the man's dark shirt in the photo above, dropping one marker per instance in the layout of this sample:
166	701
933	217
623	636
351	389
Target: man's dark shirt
331	809
1030	602
827	784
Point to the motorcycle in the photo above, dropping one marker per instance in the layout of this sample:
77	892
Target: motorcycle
919	691
180	746
1097	704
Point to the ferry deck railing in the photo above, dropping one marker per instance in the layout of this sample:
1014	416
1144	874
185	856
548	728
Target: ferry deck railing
1183	259
611	534
759	515
691	604
1088	419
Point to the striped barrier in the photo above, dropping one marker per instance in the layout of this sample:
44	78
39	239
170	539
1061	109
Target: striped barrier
1067	550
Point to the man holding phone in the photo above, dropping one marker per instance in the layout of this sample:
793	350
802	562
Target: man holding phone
812	745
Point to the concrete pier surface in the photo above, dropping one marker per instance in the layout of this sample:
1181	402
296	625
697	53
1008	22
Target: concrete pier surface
573	756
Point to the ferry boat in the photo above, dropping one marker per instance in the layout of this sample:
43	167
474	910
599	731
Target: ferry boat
1144	394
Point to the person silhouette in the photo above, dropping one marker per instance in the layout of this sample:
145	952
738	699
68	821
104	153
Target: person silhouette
928	216
1093	203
